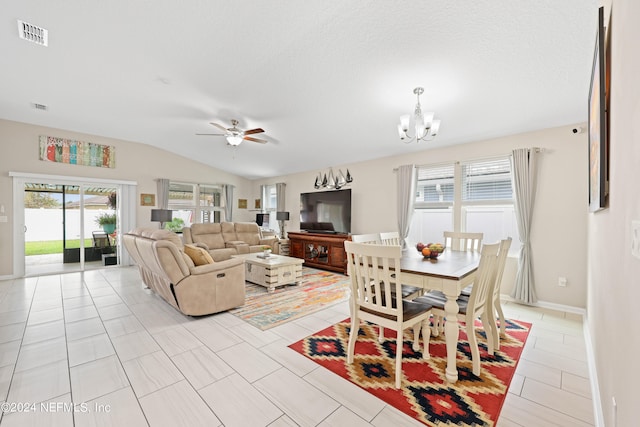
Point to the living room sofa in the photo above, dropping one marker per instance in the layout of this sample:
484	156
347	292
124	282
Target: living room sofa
192	289
224	239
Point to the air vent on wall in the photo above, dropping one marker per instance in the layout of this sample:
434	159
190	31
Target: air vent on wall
33	33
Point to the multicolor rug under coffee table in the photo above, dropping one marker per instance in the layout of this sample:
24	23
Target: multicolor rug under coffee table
317	290
425	394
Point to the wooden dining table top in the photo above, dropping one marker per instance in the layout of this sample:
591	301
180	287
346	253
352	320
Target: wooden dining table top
453	265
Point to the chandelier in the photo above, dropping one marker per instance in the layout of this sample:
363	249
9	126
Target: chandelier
425	127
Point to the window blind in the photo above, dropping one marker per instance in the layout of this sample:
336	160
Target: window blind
435	183
487	180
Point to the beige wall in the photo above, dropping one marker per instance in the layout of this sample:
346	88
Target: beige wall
613	274
560	217
134	162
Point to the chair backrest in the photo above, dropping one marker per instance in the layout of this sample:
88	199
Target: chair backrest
101	239
457	241
390	238
483	284
502	259
373	238
377	265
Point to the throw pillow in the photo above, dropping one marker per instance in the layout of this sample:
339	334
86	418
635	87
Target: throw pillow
198	255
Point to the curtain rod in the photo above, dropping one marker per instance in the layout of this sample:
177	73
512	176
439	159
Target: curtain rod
456	162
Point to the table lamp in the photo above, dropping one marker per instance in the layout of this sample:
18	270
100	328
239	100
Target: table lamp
282	217
161	216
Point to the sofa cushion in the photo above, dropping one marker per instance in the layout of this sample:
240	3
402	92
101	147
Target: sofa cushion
198	255
229	231
248	232
210	234
166	235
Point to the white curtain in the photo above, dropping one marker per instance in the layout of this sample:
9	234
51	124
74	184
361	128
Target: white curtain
227	195
406	199
163	193
524	167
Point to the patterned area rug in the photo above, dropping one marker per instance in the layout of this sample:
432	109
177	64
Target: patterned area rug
317	290
425	393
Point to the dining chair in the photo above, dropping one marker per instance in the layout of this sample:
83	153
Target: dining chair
459	241
380	265
478	304
496	304
373	238
390	238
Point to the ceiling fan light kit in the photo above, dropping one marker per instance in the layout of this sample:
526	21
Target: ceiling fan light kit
425	127
234	135
331	181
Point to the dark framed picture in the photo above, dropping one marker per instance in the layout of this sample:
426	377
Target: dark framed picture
242	203
598	134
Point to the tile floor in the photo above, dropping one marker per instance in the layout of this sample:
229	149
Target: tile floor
96	348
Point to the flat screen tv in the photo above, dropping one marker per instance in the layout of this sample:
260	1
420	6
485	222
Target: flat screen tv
326	212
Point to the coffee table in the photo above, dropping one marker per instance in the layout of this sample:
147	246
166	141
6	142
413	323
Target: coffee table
273	271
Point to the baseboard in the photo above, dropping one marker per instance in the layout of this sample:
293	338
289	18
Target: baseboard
593	375
549	305
9	277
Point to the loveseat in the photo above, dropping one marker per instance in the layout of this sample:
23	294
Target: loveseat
192	289
224	239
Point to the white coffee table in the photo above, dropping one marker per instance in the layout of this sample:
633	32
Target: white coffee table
276	270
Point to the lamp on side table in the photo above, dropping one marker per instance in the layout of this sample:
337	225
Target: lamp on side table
161	216
282	217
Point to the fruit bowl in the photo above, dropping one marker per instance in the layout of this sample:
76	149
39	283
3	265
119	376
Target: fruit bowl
431	250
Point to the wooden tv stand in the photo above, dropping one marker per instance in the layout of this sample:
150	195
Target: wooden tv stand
320	250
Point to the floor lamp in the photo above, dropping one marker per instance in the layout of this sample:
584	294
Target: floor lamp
282	217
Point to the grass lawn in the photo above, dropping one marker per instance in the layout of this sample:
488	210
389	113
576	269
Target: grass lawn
52	246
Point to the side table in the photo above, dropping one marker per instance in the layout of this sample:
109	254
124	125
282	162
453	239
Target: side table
284	247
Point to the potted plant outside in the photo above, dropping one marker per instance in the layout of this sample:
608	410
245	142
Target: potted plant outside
107	221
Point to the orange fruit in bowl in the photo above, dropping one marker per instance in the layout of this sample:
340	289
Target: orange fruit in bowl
426	252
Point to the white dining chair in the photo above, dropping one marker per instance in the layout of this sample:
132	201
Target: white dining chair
380	264
478	304
461	241
390	238
372	238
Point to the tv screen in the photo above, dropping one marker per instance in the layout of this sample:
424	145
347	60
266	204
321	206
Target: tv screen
326	212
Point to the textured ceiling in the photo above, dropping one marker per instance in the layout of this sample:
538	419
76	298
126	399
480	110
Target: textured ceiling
327	80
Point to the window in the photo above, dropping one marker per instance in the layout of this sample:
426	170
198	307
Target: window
270	205
434	203
485	202
195	203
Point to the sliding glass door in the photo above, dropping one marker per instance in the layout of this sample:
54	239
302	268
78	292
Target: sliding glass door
66	224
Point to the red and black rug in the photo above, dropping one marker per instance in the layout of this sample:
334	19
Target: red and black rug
425	393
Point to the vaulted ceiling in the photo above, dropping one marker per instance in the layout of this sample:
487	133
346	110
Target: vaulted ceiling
326	80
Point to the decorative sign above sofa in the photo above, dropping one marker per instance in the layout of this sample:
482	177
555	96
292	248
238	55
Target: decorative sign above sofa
73	152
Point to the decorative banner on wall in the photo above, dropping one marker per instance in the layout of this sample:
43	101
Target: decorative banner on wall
72	152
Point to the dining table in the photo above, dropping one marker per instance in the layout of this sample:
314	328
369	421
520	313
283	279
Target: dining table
449	273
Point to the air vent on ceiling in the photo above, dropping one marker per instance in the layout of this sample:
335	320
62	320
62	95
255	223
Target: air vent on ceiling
33	33
40	107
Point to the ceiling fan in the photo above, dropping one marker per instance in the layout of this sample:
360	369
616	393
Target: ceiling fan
234	135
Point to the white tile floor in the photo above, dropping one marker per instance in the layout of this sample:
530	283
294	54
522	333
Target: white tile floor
125	357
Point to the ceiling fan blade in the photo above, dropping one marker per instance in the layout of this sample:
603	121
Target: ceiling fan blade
222	128
214	134
256	130
261	141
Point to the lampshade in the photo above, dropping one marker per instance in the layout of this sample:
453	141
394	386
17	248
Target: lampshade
282	216
234	139
161	215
